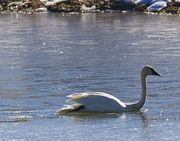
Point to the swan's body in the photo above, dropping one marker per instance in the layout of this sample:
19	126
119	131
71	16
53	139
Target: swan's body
103	102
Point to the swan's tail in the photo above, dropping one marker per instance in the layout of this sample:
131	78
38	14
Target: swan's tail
71	108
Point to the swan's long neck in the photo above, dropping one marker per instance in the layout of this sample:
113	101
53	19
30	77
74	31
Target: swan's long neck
140	103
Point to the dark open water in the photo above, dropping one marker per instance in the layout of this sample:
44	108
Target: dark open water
45	57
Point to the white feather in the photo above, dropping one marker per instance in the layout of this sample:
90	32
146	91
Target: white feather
98	101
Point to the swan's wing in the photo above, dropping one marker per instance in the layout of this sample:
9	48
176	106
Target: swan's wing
97	99
71	108
75	96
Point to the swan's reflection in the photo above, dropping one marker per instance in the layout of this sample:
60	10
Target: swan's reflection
98	117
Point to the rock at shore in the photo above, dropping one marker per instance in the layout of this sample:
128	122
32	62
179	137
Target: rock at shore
158	6
20	5
93	6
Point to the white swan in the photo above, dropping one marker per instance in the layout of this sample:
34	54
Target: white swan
103	102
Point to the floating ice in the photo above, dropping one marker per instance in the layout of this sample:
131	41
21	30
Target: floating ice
42	9
157	6
53	2
87	9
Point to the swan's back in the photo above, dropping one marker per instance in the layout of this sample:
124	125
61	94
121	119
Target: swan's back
97	102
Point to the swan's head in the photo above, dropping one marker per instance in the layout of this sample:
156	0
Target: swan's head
149	70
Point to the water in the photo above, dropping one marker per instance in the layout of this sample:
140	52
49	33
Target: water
45	57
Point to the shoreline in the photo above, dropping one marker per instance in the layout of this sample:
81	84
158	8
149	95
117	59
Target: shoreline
86	6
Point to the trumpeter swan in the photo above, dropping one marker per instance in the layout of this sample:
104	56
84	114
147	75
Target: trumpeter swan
103	102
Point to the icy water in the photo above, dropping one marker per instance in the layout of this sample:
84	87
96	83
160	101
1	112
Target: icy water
45	57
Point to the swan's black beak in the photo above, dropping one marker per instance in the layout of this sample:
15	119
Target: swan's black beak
156	73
